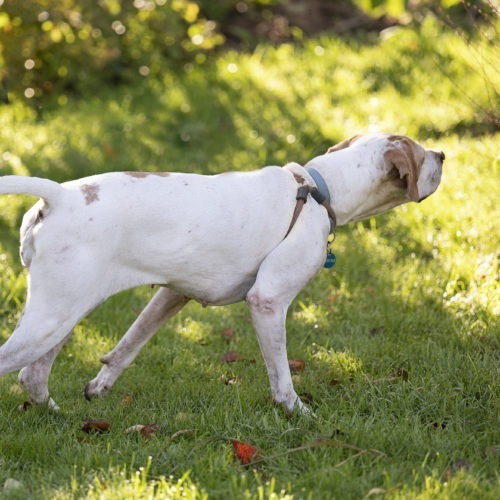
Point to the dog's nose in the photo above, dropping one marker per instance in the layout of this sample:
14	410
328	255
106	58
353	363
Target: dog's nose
442	156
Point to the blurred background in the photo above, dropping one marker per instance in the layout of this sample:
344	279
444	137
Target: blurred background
56	47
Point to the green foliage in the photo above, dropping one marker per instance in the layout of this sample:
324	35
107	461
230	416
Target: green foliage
60	47
51	46
413	290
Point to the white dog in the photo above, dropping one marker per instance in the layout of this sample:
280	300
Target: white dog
215	239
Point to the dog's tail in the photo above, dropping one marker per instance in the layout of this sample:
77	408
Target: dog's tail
49	190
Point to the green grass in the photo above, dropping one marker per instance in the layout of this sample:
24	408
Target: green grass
415	290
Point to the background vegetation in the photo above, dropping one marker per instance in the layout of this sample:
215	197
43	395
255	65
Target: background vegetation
399	343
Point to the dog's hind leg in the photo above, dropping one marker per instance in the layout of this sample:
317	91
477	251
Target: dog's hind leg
35	377
162	306
35	336
55	303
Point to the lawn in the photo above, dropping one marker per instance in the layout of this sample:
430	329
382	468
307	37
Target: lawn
399	342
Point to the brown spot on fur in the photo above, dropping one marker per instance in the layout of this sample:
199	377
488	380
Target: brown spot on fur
407	157
142	175
344	144
90	192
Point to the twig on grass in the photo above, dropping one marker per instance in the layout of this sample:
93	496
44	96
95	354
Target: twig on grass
317	443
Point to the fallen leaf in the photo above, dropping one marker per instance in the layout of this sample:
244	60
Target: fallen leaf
228	381
99	426
296	365
244	452
376	330
228	333
147	431
127	399
402	373
231	357
175	435
24	406
134	428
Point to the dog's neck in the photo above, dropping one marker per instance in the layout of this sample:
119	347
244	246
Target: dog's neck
371	194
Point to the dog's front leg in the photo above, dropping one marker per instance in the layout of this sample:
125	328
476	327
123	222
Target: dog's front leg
269	316
162	306
283	273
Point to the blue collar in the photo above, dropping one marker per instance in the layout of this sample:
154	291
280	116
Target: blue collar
322	194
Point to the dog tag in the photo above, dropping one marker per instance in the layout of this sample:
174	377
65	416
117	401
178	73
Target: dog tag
330	256
330	260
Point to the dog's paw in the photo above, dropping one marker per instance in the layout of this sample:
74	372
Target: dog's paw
303	409
295	405
53	406
95	389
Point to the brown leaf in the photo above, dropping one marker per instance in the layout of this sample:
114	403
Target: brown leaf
296	365
99	426
244	452
25	406
147	431
228	333
127	399
376	330
333	382
231	357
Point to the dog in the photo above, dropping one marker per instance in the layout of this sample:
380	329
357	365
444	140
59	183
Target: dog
257	236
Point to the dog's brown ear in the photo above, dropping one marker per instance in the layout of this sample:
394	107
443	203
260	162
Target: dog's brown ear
344	144
407	157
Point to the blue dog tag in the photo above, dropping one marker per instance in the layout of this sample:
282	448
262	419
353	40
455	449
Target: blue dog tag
330	260
330	256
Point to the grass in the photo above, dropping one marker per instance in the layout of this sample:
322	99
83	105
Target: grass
400	341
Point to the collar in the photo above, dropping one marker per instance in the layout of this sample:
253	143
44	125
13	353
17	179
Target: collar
319	193
322	195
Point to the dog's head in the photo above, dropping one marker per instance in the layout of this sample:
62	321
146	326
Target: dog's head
407	164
